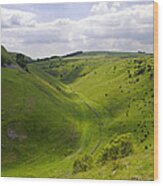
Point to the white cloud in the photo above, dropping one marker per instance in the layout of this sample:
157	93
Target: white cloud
100	8
105	7
16	18
111	26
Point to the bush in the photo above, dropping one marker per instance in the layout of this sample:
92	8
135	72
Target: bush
82	164
22	61
119	147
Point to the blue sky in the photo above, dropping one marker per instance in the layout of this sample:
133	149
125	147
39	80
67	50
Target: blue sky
47	12
42	30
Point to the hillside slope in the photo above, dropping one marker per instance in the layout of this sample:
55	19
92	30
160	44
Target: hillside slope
14	60
6	58
67	110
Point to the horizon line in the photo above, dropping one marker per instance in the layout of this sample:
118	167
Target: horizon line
83	51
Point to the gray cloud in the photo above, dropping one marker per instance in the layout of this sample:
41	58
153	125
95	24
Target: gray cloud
16	18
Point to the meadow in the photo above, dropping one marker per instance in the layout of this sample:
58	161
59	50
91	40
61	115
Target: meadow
88	115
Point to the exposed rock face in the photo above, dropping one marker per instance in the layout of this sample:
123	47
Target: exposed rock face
10	66
11	134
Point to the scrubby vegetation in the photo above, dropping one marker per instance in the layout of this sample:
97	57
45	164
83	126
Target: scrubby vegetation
22	61
82	164
119	147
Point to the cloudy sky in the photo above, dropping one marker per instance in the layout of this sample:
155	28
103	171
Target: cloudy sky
40	30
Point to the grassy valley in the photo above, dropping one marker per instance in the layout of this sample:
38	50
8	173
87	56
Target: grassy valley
87	115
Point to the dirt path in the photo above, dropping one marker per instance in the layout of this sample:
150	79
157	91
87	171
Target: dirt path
100	124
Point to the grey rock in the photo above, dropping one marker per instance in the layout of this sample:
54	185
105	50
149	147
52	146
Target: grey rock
11	134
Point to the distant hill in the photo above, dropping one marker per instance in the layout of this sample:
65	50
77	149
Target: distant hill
74	54
46	59
90	54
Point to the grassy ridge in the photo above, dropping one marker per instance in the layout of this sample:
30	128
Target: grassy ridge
67	107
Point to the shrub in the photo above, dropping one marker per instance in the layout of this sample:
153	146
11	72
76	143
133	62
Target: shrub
68	152
20	59
141	71
119	147
82	164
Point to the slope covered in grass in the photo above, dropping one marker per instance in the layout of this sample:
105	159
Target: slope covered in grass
42	121
14	60
6	58
67	110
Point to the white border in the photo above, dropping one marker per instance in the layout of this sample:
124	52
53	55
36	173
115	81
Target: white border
63	182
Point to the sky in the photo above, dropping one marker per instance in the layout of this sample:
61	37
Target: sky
41	30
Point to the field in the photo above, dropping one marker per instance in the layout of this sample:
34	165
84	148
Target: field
84	116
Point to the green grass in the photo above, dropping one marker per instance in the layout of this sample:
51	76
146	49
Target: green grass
6	57
67	107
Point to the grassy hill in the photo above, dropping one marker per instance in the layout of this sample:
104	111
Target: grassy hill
78	116
7	59
14	60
